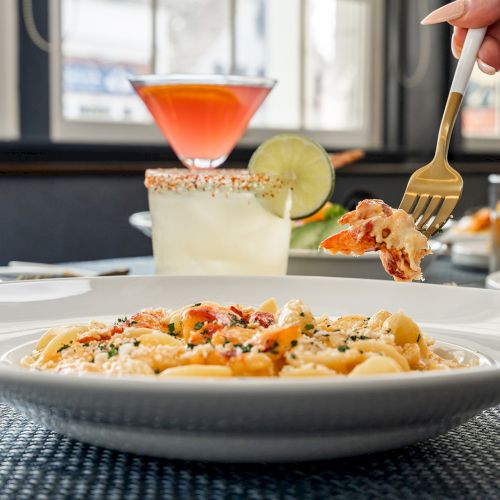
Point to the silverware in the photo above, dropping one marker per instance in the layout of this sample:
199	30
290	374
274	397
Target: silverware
433	191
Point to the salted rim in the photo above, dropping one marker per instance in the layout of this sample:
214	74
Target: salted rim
229	180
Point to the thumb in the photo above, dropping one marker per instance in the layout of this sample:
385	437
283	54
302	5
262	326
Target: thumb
466	13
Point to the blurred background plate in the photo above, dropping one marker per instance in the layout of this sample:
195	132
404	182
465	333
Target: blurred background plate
493	281
316	263
471	254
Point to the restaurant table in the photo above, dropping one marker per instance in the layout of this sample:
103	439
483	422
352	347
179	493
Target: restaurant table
463	463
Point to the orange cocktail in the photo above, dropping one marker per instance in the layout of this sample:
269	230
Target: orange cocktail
202	117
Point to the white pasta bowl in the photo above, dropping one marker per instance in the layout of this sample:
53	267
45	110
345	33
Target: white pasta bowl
244	419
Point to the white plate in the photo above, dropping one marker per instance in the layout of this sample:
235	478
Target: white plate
319	263
253	420
471	254
493	280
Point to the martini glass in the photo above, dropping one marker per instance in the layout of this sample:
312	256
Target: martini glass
202	116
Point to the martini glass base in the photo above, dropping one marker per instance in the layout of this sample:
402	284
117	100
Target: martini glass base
203	163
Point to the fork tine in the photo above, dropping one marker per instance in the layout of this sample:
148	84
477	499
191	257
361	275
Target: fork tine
442	216
409	199
431	209
421	205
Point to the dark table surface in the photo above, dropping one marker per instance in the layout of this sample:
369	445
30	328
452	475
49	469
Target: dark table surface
463	463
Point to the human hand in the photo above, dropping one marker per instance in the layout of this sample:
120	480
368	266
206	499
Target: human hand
465	14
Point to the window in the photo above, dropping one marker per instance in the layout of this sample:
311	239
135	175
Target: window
327	73
481	113
9	128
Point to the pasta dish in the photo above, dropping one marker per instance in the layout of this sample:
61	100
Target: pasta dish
374	225
212	340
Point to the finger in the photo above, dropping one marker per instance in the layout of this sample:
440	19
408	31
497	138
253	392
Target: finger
459	35
489	54
478	13
456	47
466	13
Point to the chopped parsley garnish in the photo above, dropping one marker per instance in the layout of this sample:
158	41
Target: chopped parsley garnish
136	342
197	304
86	344
156	370
418	338
198	325
171	328
343	348
64	346
112	351
132	323
293	343
273	347
122	320
293	356
302	314
190	346
309	326
357	337
244	347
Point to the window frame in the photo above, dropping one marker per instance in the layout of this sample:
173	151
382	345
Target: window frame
9	83
370	137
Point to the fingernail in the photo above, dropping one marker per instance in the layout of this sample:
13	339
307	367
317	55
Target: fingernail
486	68
455	49
447	12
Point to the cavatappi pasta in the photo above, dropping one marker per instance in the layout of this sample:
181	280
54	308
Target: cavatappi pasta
210	340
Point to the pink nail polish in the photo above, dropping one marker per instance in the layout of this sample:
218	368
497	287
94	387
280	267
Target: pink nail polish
447	12
486	68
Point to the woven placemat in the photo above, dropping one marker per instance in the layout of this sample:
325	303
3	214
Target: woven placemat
36	463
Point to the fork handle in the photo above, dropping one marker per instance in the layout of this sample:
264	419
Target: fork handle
473	42
465	65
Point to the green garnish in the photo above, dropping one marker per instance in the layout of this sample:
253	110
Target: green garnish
198	325
197	304
64	346
418	338
244	347
302	314
122	320
136	342
156	370
309	326
112	351
171	328
273	347
86	344
293	343
343	348
190	346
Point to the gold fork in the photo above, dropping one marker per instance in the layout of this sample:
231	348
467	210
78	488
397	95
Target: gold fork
433	190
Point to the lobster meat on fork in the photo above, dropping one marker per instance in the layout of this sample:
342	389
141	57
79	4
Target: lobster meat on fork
375	226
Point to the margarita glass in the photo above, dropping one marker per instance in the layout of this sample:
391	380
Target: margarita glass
214	222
